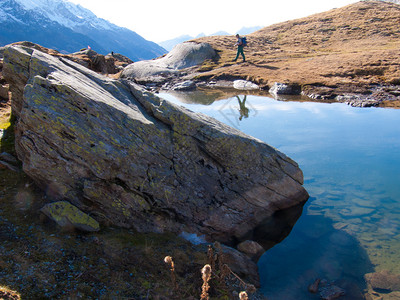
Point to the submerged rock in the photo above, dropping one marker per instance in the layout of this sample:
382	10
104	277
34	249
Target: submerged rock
134	160
383	281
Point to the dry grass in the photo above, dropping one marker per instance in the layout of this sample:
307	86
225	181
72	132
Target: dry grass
356	44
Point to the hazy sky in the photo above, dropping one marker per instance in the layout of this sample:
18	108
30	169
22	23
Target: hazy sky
160	20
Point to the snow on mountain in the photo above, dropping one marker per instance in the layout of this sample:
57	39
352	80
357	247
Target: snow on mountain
67	27
66	13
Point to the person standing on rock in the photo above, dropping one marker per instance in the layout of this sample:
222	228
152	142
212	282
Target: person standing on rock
240	45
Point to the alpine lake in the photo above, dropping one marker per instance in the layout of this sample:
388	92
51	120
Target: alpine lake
350	158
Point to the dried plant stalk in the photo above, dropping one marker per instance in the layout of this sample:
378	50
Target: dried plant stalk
168	260
206	275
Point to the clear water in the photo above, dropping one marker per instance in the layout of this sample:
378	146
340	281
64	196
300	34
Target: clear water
350	158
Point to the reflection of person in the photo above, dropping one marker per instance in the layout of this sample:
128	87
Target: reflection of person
240	47
244	111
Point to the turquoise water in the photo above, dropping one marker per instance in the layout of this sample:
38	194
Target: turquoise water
350	158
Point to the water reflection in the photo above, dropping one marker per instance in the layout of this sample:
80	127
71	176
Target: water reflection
351	161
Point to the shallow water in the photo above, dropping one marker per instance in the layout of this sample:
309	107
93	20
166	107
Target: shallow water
350	158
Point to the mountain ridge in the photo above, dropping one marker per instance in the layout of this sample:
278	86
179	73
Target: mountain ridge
66	27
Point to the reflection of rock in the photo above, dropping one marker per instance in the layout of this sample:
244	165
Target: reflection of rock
137	161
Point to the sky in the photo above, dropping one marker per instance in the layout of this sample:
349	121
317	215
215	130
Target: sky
161	20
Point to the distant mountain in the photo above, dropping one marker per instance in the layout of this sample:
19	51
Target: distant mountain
66	27
169	44
248	30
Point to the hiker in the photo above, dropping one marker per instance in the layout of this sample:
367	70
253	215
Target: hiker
240	45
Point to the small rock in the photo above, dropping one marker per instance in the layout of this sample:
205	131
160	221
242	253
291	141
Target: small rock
6	165
285	89
4	91
313	288
184	86
331	292
66	215
252	249
245	85
8	158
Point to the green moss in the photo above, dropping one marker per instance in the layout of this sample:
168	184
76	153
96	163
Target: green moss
7	139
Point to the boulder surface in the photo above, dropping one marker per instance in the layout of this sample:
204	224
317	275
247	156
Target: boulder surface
131	159
182	56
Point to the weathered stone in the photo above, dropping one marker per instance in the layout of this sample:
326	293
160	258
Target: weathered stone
252	249
68	216
285	89
245	85
183	56
137	161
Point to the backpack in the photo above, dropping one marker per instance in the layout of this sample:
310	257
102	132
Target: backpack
244	41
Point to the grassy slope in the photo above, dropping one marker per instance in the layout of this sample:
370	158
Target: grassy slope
356	44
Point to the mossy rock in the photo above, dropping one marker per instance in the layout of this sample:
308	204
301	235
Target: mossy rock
68	216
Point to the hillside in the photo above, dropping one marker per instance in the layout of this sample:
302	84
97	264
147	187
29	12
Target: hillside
349	48
66	27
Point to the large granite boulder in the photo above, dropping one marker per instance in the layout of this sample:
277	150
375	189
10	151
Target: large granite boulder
131	159
182	56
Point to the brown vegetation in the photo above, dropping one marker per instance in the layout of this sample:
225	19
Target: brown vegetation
355	45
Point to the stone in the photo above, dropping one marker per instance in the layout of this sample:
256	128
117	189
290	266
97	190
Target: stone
8	157
182	56
6	165
313	288
285	89
69	216
241	265
186	85
383	281
4	88
331	292
252	249
136	161
245	85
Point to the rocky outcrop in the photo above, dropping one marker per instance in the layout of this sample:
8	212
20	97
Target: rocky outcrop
134	160
183	56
